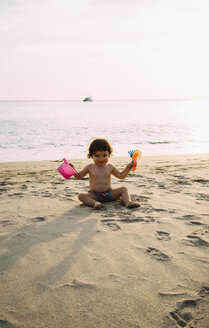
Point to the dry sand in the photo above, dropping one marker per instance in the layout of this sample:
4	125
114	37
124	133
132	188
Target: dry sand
64	265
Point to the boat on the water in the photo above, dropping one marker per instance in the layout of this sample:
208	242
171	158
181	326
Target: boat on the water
87	99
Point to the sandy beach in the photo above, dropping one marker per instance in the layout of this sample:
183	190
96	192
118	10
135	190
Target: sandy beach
65	265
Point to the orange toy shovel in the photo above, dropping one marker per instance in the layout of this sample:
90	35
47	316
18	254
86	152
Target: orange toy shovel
135	154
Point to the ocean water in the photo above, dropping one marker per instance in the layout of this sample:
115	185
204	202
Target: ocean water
51	130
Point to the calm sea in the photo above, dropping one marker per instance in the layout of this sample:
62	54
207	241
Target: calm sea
51	130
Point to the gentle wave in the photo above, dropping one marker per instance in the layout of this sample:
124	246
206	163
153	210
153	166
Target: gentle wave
161	142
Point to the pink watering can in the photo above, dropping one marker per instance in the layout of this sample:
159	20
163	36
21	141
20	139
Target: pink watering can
66	169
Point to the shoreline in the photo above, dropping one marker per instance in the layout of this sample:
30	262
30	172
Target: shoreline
63	264
170	157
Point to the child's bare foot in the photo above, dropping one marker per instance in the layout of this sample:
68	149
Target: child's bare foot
98	206
132	205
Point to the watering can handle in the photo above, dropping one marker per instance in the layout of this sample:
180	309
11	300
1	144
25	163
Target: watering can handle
65	161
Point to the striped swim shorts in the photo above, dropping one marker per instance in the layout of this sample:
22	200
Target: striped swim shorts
102	197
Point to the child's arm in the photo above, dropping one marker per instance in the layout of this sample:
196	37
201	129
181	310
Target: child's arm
124	173
82	173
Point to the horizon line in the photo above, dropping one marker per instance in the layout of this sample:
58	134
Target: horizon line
81	100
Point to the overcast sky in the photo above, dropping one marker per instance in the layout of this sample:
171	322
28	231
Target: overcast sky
109	49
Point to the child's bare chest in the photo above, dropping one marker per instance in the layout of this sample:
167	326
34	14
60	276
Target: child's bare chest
98	173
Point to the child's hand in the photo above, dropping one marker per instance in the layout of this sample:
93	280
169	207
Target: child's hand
72	165
131	165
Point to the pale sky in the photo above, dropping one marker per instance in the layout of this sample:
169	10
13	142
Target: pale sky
109	49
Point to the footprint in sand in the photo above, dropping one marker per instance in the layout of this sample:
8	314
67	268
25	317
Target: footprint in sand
196	241
159	209
157	254
6	223
46	194
149	219
112	225
202	197
202	181
191	313
204	292
183	182
163	235
77	285
188	217
38	219
18	194
131	220
160	170
125	220
161	186
41	288
107	220
141	198
107	215
3	190
23	187
196	223
6	324
182	315
124	214
57	182
3	183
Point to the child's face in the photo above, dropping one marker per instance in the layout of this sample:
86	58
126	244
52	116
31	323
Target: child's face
101	158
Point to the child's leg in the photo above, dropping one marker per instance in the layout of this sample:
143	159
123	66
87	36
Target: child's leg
90	200
123	193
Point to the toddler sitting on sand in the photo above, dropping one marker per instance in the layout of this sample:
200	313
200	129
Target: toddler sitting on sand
100	177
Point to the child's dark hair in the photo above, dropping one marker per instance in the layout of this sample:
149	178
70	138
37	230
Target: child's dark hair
99	145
